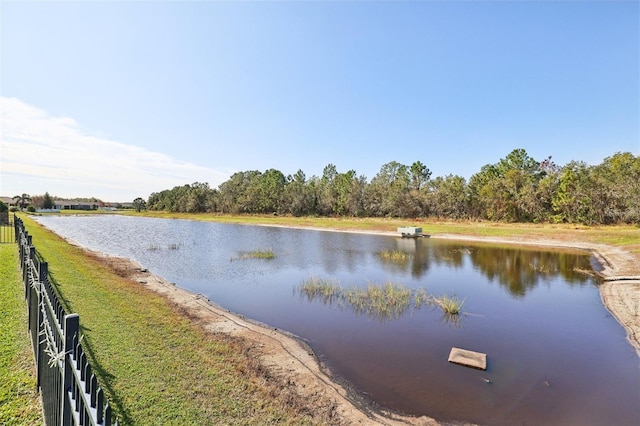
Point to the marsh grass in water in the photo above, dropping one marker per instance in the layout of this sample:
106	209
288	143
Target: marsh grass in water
451	305
398	256
387	301
172	246
326	290
256	254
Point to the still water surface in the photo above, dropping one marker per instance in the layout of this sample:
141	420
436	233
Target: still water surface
555	354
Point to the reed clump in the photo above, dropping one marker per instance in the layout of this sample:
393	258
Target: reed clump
257	254
326	290
398	256
390	300
387	301
451	305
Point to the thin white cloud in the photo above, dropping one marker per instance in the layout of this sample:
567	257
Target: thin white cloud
40	153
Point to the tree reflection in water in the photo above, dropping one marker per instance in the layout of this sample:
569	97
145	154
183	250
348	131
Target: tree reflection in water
518	270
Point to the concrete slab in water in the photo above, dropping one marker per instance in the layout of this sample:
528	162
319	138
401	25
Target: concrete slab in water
468	358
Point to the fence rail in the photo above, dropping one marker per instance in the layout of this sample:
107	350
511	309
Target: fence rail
70	391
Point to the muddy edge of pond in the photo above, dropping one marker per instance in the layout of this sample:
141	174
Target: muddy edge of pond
288	357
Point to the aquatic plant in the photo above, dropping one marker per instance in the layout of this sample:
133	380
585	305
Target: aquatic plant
393	255
421	297
387	301
449	304
327	290
259	254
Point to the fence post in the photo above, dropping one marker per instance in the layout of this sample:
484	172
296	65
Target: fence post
71	329
28	259
39	320
24	259
38	316
43	271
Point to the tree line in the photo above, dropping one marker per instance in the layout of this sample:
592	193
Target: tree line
517	188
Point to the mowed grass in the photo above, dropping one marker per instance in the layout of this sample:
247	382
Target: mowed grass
19	399
156	366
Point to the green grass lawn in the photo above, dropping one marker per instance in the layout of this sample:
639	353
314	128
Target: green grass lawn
155	365
19	399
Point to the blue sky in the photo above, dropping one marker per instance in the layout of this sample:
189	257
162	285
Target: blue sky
120	99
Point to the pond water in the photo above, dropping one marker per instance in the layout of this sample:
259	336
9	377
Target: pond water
555	354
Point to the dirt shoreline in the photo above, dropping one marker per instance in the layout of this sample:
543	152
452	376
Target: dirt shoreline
287	357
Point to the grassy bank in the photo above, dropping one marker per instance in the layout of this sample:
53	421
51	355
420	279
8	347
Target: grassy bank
627	236
155	365
19	400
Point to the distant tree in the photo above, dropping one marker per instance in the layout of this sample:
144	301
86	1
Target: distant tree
571	201
139	204
233	193
506	190
298	198
195	198
326	190
448	198
37	201
420	175
265	191
388	193
4	213
619	175
48	201
516	188
345	194
22	200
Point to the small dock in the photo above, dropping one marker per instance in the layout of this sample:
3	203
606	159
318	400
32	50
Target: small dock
410	232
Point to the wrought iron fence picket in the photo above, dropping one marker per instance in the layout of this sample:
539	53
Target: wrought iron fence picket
71	394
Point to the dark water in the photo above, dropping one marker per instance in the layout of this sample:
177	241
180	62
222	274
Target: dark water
555	354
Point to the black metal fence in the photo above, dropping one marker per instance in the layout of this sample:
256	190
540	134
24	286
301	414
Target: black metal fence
7	234
70	391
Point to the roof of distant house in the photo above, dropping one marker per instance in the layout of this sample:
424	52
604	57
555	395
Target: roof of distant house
7	200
